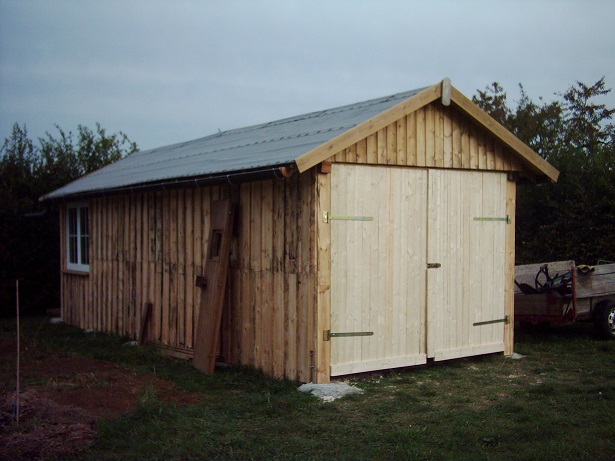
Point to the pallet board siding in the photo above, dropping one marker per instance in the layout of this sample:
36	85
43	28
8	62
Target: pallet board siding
433	136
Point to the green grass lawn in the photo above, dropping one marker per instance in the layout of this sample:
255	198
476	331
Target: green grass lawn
557	403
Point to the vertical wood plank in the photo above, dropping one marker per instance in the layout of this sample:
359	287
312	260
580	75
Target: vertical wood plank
430	132
190	274
411	141
267	298
402	150
474	150
247	308
323	308
498	157
173	266
490	151
420	137
197	223
362	151
391	145
482	151
438	137
448	138
278	328
255	269
382	146
372	149
182	248
465	146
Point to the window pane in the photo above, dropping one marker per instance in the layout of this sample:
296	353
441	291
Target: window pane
72	249
72	236
85	236
72	221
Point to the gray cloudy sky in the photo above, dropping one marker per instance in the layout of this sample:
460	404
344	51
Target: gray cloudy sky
168	71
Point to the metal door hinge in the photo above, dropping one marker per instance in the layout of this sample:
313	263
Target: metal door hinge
505	320
327	335
326	217
507	219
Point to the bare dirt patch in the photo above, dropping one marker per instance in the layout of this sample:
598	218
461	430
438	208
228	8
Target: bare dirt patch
64	396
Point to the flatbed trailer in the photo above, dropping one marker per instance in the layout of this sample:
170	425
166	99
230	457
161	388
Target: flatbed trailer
561	292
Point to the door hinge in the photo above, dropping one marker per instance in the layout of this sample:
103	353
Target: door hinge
326	217
507	219
505	320
327	335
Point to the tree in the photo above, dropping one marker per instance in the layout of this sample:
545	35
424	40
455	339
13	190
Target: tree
572	219
29	248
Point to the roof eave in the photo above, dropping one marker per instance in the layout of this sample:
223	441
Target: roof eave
233	178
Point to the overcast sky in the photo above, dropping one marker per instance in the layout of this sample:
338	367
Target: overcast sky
170	71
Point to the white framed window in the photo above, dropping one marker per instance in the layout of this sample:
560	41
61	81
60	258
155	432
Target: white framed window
77	237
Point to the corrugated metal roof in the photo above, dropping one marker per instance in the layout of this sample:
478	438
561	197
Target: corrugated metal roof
271	144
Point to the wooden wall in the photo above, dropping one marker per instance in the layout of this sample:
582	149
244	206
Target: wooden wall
433	136
149	247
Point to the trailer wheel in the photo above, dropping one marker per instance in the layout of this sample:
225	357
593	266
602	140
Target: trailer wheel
605	321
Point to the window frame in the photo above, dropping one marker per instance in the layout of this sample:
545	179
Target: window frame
77	235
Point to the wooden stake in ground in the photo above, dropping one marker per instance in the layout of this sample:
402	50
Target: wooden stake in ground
18	335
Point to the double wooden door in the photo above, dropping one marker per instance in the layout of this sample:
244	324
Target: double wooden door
417	264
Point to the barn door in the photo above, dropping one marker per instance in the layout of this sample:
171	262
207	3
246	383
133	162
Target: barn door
378	217
465	253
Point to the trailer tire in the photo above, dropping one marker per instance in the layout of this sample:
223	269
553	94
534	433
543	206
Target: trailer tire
605	320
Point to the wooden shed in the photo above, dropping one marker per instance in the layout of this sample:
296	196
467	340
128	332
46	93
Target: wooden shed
366	237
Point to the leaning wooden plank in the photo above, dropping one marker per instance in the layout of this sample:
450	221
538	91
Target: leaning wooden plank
145	322
212	300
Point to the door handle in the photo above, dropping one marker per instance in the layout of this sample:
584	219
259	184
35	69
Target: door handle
433	265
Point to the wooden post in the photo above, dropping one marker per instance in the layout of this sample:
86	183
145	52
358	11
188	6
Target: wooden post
509	286
323	315
18	353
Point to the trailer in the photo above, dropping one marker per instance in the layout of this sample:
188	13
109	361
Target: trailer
562	292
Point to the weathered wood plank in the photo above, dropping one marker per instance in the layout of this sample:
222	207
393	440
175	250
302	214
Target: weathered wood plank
421	138
210	316
391	144
372	149
362	151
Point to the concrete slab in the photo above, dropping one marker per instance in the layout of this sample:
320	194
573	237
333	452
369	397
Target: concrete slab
330	391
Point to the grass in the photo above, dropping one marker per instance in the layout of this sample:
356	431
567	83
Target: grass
557	402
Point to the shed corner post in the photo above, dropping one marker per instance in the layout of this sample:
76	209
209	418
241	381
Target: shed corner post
323	296
509	285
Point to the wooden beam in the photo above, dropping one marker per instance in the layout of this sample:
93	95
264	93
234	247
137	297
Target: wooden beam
378	122
509	283
530	158
212	300
323	296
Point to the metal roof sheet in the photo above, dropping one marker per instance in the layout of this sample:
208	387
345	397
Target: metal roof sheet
270	144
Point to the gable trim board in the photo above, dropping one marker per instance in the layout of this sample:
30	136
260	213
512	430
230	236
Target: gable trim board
289	270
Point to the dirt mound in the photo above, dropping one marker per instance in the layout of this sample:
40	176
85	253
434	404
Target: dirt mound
58	415
46	429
